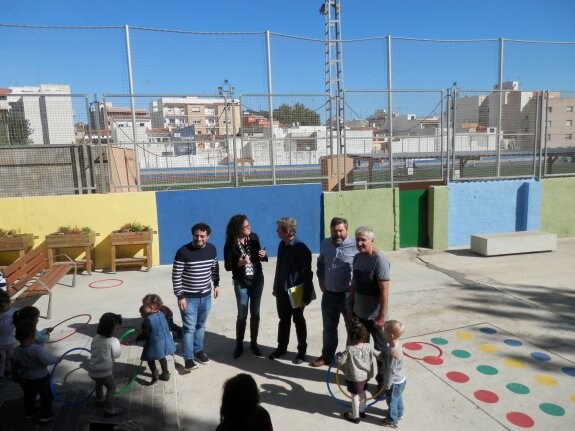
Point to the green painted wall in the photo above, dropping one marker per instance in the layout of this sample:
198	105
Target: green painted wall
377	208
413	218
438	217
558	206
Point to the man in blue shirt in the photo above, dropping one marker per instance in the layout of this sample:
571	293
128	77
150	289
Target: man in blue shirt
334	271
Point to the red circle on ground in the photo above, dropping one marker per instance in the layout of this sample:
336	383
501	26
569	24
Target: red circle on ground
433	360
486	396
115	283
412	346
520	419
457	377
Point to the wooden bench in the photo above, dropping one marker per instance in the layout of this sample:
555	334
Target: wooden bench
497	244
30	276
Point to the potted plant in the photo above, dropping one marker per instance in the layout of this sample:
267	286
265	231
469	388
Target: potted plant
11	240
71	237
132	234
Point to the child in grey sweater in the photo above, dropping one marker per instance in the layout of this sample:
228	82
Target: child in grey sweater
357	362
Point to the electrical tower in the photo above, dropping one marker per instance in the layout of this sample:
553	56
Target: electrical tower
334	89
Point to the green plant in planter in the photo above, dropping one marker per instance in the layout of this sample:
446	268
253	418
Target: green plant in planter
7	232
135	227
72	230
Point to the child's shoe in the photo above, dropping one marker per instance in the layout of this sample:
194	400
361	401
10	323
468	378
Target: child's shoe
389	424
46	418
348	417
154	377
114	412
164	377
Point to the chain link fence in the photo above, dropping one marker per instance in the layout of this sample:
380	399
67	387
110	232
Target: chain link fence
161	109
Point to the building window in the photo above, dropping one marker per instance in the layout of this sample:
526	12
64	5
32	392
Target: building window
550	109
569	109
195	109
548	123
548	137
569	137
568	123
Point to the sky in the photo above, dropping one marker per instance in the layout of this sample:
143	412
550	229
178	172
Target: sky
94	61
550	20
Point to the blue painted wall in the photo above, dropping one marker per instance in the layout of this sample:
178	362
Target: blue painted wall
179	210
491	207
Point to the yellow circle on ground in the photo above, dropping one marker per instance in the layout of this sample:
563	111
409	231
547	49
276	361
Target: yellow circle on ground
464	335
572	397
545	380
487	348
514	363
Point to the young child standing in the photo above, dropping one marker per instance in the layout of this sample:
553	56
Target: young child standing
29	366
358	366
158	338
7	339
105	348
393	372
33	314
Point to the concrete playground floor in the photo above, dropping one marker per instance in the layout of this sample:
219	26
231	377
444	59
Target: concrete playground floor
490	342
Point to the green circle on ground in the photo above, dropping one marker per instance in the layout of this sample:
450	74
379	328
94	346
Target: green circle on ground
487	370
439	341
518	388
461	354
552	409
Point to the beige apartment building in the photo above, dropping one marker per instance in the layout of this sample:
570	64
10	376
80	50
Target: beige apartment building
207	115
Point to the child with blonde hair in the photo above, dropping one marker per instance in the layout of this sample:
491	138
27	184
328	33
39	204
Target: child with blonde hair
158	338
393	372
104	349
357	362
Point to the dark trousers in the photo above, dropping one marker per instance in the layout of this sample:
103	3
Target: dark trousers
378	344
286	313
34	387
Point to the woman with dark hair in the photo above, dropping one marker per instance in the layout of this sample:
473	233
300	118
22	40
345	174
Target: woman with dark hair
243	256
241	410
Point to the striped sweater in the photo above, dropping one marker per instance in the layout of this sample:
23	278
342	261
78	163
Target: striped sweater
194	270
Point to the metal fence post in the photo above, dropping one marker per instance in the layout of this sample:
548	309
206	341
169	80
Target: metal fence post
132	106
270	103
499	114
390	108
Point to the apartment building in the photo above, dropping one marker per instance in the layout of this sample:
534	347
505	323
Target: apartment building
48	108
560	125
208	115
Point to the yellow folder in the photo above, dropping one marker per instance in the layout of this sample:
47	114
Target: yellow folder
296	295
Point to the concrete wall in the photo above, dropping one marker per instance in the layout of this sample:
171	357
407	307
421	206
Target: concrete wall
438	217
377	208
558	206
179	210
492	206
102	213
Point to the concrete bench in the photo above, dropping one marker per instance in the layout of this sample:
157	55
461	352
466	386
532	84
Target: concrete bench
495	244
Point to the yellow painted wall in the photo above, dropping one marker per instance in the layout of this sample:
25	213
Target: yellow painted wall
102	213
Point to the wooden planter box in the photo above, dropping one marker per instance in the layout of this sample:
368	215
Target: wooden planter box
22	243
118	239
55	242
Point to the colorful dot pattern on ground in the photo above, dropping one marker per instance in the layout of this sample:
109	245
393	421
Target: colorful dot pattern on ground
517	384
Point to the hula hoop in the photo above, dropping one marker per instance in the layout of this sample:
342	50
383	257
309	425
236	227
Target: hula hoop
133	378
53	389
76	330
129	331
374	397
427	344
92	284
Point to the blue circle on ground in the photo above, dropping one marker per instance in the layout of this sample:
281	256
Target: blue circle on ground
540	356
488	330
513	343
570	371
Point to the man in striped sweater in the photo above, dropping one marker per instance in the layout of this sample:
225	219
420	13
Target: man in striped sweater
194	271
